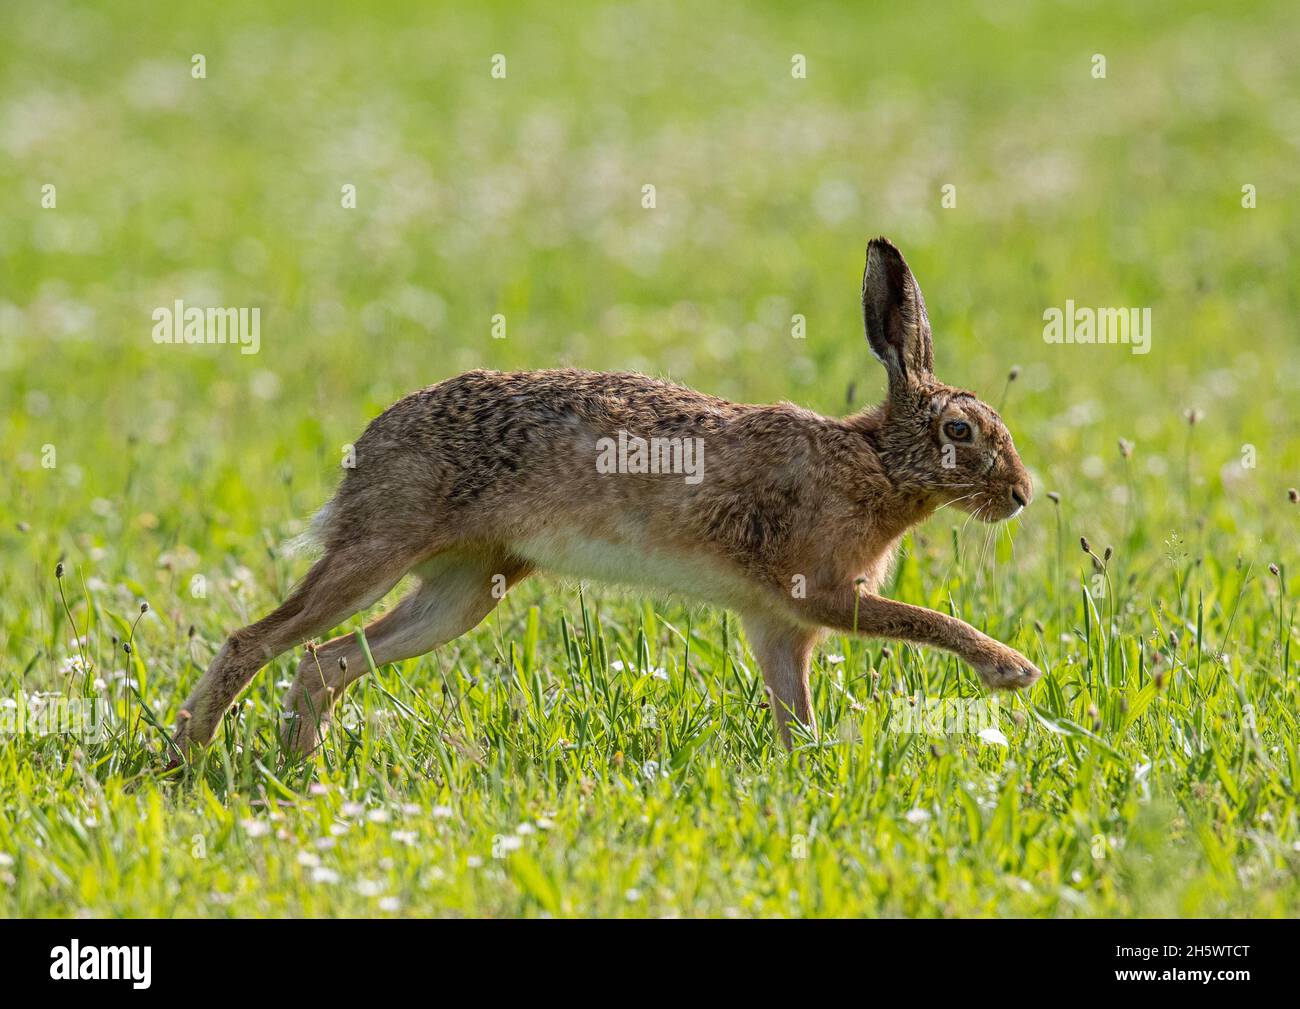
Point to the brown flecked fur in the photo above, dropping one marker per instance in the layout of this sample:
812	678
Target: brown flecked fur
474	483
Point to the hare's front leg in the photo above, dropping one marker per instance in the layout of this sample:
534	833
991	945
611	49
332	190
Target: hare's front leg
784	650
856	612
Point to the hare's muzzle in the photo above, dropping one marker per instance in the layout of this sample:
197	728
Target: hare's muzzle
1021	494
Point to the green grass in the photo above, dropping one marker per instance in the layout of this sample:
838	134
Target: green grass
592	752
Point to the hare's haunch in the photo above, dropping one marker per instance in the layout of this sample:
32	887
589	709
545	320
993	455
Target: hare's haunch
787	517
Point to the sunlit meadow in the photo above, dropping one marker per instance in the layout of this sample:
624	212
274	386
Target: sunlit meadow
591	751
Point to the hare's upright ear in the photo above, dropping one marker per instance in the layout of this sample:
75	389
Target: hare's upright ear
898	330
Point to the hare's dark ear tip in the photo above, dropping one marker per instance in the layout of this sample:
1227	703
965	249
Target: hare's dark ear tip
882	246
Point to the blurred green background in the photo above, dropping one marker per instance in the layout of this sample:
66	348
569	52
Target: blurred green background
523	196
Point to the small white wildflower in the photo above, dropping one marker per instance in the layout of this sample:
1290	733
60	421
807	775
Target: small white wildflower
377	816
405	836
474	861
411	809
255	828
441	812
369	887
325	843
323	875
309	859
992	735
389	904
353	809
525	828
917	815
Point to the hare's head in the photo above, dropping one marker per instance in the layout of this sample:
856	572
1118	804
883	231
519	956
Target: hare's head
941	443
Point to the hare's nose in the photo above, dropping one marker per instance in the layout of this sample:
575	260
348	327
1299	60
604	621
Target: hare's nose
1021	498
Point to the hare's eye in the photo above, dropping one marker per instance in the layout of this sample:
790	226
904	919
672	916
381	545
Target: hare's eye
957	430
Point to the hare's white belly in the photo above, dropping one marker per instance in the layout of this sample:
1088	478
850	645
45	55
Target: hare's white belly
636	564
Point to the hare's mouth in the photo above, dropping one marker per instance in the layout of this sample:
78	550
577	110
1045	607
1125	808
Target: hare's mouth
989	509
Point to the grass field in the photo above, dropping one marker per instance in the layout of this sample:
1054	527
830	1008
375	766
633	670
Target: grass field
585	750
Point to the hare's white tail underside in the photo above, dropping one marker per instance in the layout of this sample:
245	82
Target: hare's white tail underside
311	541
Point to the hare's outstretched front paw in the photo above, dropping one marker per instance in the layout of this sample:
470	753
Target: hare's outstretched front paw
1003	668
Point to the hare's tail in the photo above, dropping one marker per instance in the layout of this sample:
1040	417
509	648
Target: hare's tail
311	541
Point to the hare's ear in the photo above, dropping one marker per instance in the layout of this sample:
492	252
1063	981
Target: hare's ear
898	330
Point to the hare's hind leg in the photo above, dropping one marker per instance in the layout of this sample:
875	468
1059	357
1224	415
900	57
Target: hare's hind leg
457	590
784	650
338	585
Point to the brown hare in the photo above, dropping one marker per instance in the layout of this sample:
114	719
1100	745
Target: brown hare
787	517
